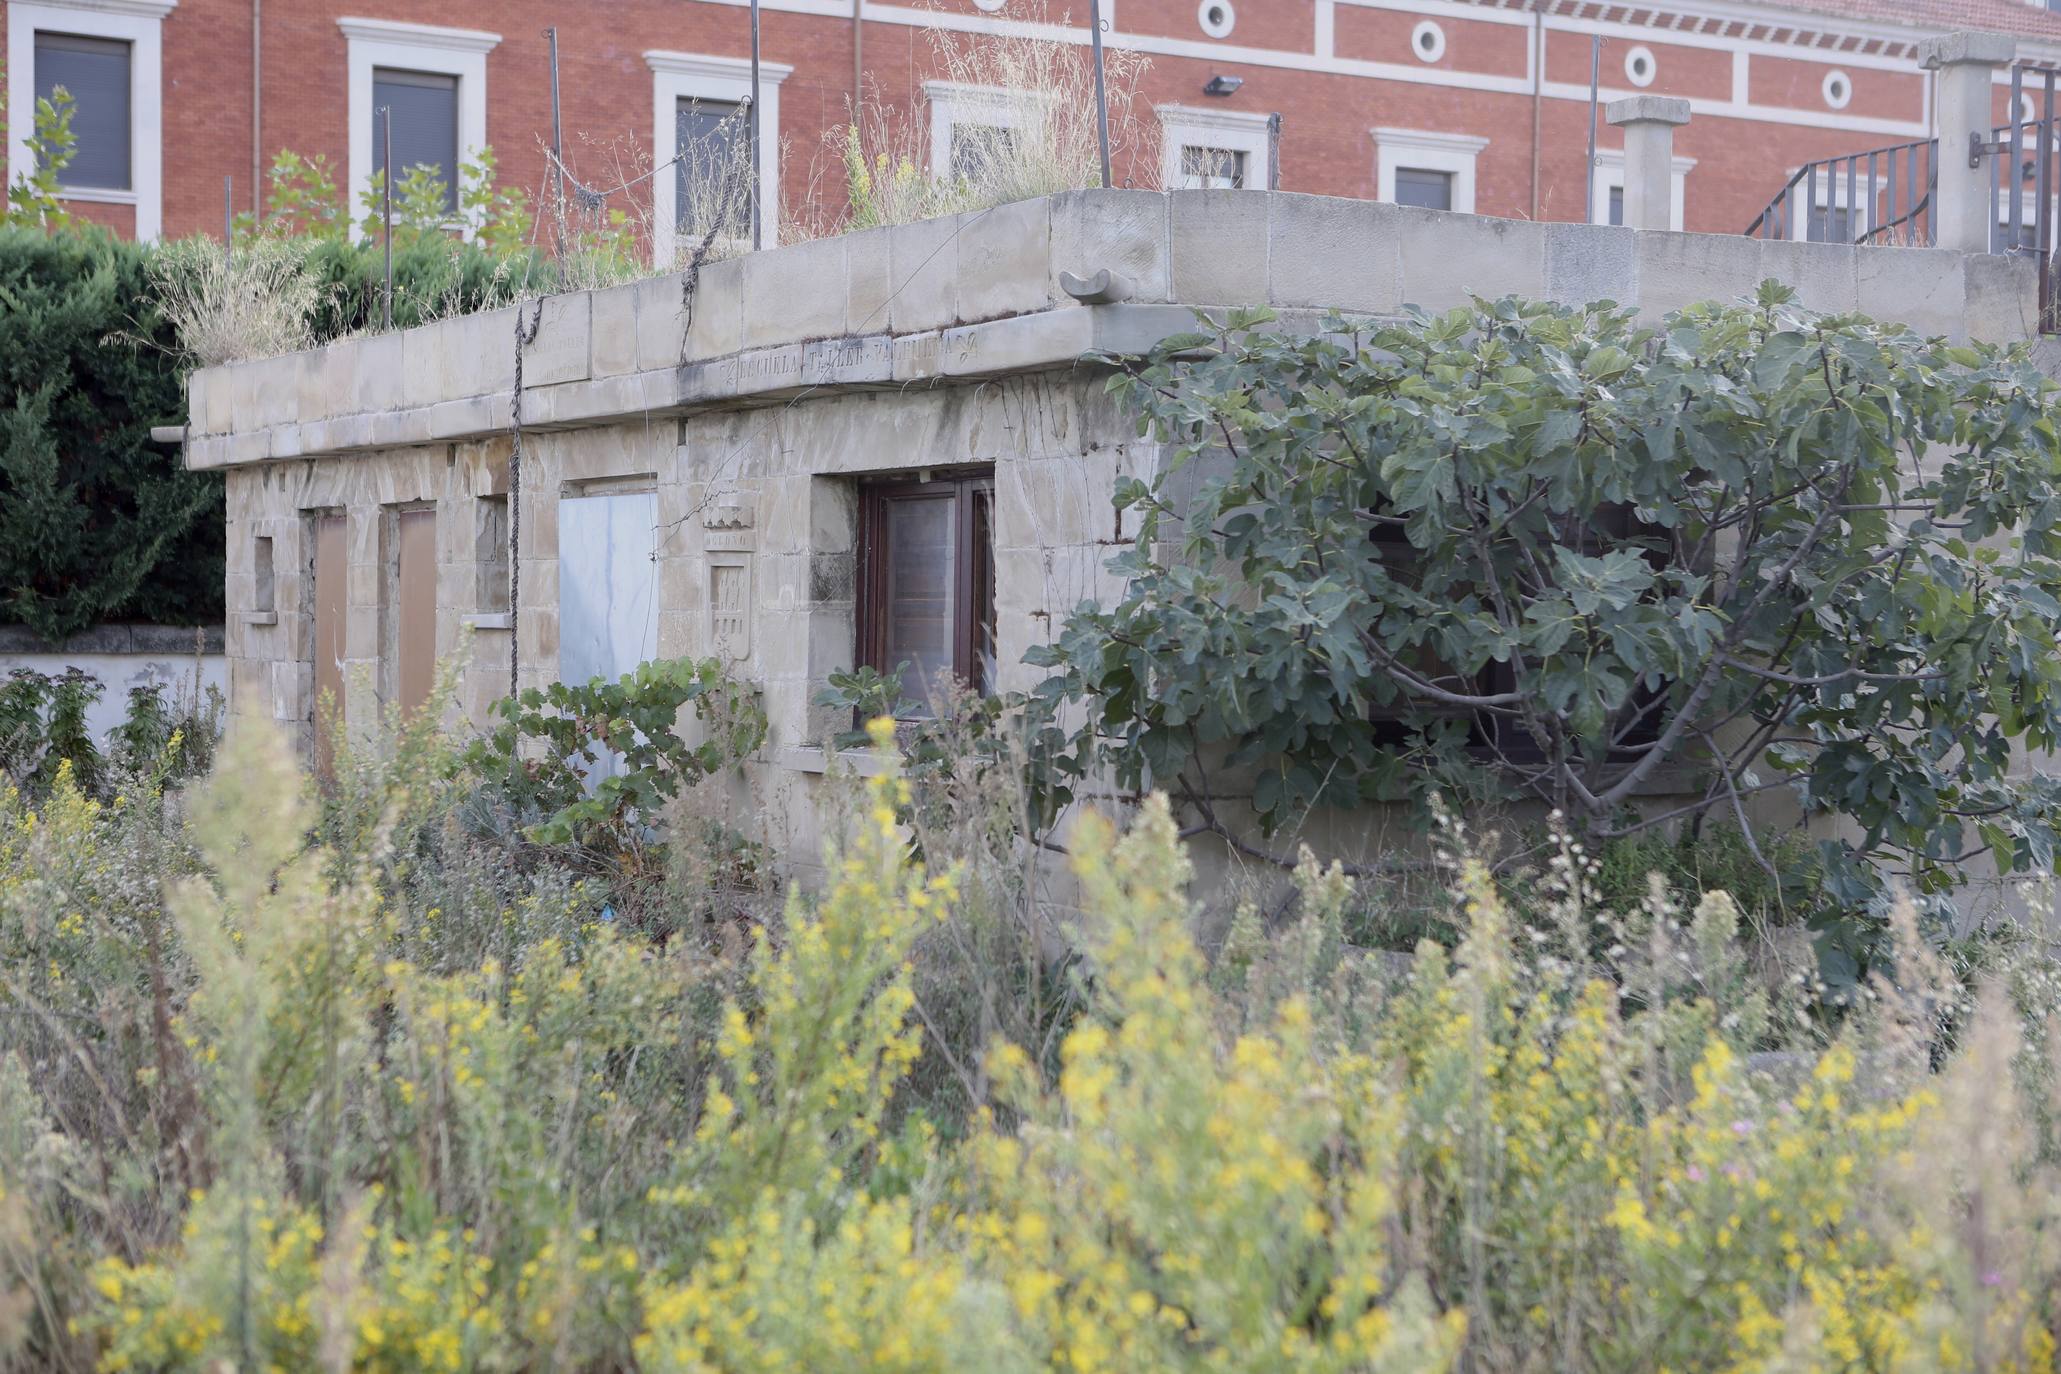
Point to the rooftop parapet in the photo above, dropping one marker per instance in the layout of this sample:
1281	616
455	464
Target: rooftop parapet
982	294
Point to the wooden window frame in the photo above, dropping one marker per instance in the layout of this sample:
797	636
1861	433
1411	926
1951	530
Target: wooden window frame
972	562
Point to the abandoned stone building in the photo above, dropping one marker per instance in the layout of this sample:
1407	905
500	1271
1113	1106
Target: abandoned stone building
878	448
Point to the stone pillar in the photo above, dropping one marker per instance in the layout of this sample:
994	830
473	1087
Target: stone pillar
1966	103
1649	124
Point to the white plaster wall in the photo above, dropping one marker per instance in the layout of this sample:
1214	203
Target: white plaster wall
120	672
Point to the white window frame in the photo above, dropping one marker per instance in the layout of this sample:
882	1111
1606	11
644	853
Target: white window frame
1610	177
677	76
414	48
1189	126
956	103
139	23
1828	195
1428	151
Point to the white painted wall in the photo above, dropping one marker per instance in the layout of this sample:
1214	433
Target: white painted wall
119	672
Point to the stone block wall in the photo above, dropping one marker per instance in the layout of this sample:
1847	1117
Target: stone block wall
754	400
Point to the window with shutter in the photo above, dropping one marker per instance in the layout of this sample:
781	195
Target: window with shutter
95	73
927	583
1417	186
425	125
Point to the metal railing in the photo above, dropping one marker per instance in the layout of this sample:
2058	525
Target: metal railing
1890	195
1884	195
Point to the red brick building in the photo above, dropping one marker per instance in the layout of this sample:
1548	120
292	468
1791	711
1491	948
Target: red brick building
1475	104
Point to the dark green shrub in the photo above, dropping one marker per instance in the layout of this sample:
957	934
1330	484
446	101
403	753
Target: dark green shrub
96	523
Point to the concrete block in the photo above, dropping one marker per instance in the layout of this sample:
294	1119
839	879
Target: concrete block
1005	260
923	274
1921	287
1333	252
756	373
1218	247
614	342
427	355
1446	258
714	310
311	393
1051	338
559	353
2002	298
1586	263
1822	274
1124	231
1133	328
661	322
919	357
204	387
1682	269
869	281
794	293
845	362
376	369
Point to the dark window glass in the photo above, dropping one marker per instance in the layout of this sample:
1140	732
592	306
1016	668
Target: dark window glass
927	583
95	72
712	179
1831	224
425	115
976	148
1212	169
1432	190
1617	205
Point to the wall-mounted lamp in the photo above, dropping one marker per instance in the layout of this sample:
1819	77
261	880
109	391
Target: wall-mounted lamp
1222	85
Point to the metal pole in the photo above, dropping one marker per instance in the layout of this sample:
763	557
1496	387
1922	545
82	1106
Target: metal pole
386	212
2011	171
228	213
557	148
1595	81
1274	151
1101	93
758	232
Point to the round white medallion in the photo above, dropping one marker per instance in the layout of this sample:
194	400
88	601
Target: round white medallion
1428	42
1216	17
1640	66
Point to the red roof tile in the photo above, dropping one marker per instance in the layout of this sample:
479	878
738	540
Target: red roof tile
1993	16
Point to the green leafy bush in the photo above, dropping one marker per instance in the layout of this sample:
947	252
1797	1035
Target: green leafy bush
624	732
1521	551
97	523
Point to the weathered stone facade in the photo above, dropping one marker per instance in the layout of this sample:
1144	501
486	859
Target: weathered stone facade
751	402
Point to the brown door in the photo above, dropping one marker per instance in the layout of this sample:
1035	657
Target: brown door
415	636
331	567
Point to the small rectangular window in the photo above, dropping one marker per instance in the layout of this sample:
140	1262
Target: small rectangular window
1831	224
1212	169
261	567
712	180
95	73
425	126
927	583
979	149
490	554
1617	205
1417	186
